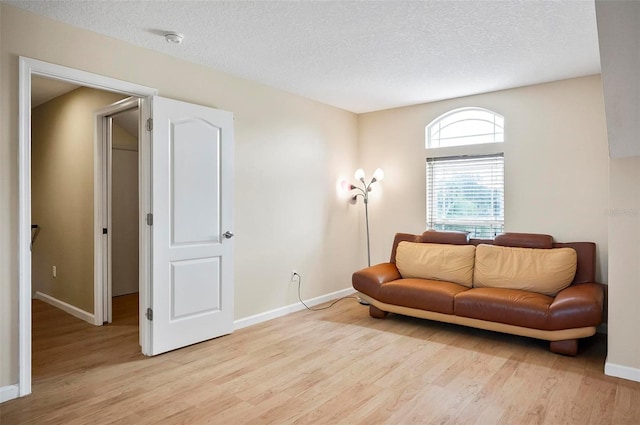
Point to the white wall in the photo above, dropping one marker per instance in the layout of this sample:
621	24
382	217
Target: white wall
289	153
619	38
623	356
556	163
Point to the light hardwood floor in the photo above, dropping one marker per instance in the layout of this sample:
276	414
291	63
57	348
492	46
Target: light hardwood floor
338	366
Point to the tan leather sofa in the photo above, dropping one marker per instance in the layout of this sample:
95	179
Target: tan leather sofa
562	318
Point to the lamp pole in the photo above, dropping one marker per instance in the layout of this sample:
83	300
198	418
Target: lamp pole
364	192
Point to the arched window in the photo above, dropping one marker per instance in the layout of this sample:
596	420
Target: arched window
466	126
465	185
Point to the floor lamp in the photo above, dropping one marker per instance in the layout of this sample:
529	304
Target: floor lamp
364	192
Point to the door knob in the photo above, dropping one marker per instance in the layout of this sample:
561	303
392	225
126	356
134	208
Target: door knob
228	234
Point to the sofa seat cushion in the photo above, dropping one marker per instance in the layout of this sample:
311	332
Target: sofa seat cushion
449	263
546	271
508	306
423	294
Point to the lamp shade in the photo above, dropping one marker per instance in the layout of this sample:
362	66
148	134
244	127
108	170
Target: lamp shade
378	174
359	174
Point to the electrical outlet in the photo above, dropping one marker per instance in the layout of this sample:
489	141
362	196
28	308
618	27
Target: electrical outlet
292	277
54	271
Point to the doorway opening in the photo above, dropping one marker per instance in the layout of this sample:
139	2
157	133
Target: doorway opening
63	118
123	252
118	263
30	68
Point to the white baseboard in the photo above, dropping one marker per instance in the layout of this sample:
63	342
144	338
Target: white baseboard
68	308
283	311
620	371
9	393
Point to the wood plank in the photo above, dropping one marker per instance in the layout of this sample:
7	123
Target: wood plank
334	366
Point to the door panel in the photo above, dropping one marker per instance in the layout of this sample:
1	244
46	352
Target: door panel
195	286
192	265
194	181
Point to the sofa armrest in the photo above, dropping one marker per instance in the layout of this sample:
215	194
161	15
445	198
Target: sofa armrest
369	280
577	306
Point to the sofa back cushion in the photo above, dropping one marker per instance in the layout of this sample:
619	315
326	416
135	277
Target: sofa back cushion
586	268
546	271
451	263
445	236
402	237
524	240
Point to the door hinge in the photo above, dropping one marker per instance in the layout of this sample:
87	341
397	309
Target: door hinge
150	219
149	124
149	314
104	230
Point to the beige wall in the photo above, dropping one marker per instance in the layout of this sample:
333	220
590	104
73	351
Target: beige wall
62	132
556	163
624	265
289	153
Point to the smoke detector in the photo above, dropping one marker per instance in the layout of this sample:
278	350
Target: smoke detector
173	37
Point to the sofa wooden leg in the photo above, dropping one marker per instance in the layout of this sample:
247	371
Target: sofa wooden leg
375	312
568	347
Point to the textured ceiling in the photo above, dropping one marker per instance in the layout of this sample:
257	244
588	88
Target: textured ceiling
359	55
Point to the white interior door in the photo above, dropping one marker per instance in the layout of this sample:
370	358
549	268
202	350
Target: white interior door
192	259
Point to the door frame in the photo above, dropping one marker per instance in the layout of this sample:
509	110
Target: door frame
102	191
29	67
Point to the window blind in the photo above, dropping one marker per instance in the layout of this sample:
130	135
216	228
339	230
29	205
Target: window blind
466	194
